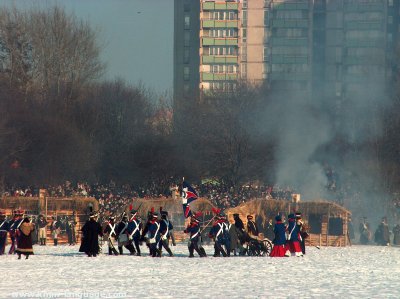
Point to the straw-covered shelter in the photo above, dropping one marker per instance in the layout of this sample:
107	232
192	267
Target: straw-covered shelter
72	207
327	221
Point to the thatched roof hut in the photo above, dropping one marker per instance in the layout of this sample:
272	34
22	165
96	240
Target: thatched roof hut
327	221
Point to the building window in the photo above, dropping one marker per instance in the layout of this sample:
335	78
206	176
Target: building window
390	19
186	88
186	7
265	54
186	38
186	55
244	35
187	21
186	73
244	18
390	3
244	4
266	17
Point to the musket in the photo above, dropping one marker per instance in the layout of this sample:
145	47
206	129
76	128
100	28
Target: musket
208	223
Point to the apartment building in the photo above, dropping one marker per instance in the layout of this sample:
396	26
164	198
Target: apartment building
319	48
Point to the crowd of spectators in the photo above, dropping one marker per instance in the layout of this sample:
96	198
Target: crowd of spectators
225	197
112	197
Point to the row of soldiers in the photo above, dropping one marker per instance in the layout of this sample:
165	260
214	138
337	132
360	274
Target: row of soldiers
157	234
130	233
12	226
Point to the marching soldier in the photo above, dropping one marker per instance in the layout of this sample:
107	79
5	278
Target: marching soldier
165	229
194	230
4	228
134	230
111	235
154	236
219	233
122	235
14	228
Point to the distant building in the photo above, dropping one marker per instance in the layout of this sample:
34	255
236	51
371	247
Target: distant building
311	47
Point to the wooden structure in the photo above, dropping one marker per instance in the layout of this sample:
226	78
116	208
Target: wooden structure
71	207
327	221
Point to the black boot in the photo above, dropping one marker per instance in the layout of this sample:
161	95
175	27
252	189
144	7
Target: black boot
110	251
191	252
55	242
120	250
27	256
170	252
19	256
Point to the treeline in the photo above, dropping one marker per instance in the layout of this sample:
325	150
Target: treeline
59	121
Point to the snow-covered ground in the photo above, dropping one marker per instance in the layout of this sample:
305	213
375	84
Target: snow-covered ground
62	272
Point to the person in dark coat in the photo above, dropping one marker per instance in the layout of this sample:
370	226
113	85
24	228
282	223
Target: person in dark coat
382	236
25	238
242	235
4	228
91	231
279	240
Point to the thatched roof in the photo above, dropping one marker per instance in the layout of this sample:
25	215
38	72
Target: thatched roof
268	208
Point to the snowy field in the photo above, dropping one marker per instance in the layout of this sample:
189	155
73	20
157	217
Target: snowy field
62	272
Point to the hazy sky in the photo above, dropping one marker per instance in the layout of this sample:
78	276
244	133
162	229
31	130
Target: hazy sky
137	36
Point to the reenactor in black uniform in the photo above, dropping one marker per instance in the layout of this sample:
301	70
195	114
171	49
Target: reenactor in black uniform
134	231
165	228
122	236
111	235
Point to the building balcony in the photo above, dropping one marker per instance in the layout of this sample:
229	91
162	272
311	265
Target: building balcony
354	25
211	41
364	60
219	76
289	76
290	23
220	6
289	59
363	7
276	41
209	59
220	23
372	43
291	6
